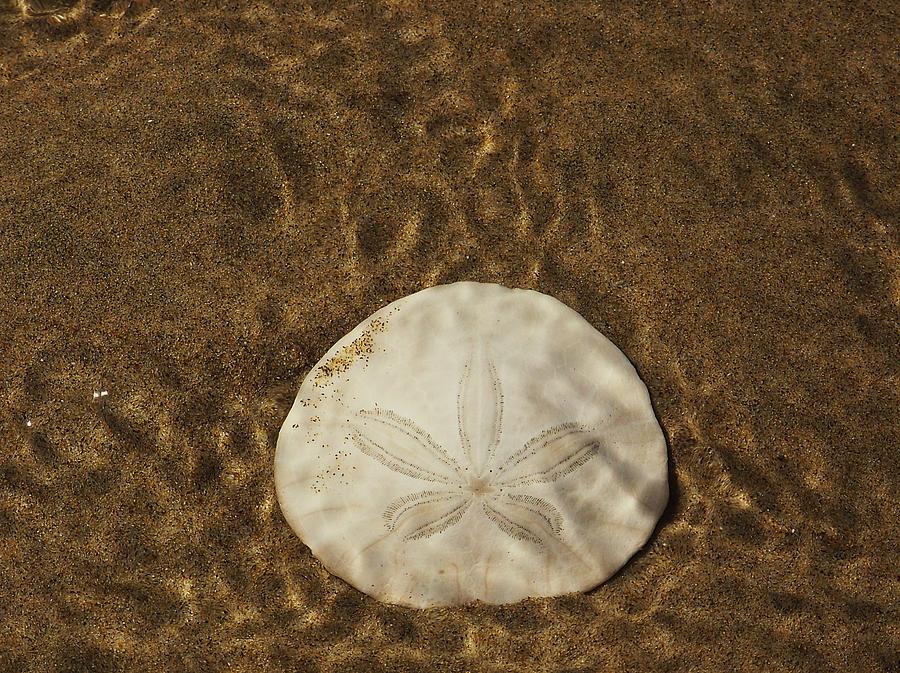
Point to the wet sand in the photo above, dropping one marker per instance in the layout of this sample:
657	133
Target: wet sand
195	203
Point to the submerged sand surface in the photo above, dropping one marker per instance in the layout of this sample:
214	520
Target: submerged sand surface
196	202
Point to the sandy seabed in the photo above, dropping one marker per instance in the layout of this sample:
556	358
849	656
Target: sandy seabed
196	202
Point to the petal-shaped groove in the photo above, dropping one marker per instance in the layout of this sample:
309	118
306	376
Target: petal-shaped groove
412	432
537	506
426	513
548	456
401	445
517	522
479	408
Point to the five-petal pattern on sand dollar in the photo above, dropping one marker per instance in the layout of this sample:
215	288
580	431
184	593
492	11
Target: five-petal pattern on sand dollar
480	482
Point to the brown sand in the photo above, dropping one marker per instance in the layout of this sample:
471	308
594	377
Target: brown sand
196	203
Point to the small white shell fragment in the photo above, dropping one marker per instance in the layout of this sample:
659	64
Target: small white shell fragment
471	442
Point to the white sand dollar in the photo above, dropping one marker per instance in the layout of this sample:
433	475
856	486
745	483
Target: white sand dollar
472	442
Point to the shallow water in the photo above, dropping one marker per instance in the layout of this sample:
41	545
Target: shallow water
196	203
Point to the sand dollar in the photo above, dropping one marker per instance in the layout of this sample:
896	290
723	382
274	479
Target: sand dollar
472	442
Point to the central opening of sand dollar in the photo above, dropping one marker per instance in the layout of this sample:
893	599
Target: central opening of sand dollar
480	486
